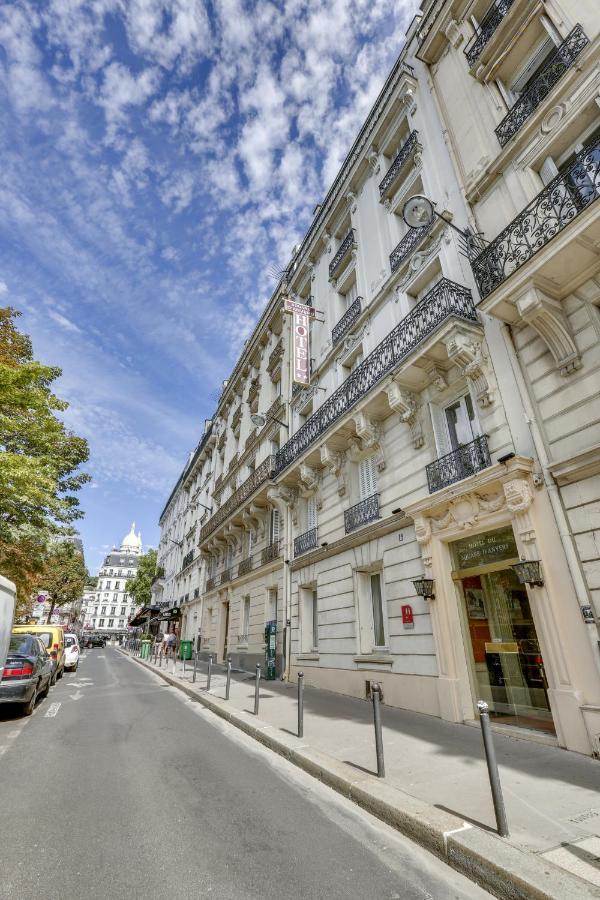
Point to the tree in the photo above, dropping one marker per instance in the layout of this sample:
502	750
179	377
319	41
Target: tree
39	459
140	586
63	576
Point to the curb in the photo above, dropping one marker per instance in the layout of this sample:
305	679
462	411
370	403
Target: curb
504	870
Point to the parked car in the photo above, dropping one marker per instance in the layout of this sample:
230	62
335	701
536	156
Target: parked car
27	672
71	652
95	640
53	639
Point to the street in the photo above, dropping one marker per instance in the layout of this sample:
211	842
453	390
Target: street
118	786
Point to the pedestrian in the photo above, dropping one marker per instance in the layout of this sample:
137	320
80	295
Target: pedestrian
165	644
172	642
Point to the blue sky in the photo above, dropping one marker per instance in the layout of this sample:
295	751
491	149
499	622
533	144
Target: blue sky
159	159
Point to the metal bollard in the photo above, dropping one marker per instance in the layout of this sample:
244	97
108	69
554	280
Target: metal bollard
209	672
160	656
492	767
184	665
228	685
376	695
195	665
174	670
300	704
256	689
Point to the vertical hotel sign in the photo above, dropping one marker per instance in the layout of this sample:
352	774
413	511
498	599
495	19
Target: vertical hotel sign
301	316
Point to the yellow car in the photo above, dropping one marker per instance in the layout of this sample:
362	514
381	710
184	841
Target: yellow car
53	639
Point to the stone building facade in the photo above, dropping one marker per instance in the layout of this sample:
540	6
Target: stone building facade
450	431
109	608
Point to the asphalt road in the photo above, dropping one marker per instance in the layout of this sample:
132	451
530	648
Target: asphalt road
120	787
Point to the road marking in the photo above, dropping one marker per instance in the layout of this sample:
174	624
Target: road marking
100	655
52	710
77	696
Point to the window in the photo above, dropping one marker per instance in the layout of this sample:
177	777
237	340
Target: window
309	621
113	610
371	611
103	610
95	610
100	623
315	621
454	425
106	595
107	585
272	605
367	477
117	585
250	542
121	623
245	617
350	296
111	623
311	513
115	596
123	610
377	608
275	526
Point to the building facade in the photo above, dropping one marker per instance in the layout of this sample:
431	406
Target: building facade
373	524
109	607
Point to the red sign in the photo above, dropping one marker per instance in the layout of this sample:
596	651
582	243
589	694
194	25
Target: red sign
301	346
407	615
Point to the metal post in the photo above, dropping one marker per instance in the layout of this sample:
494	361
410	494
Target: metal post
174	672
376	695
228	685
256	689
160	656
195	666
300	704
492	766
184	665
208	674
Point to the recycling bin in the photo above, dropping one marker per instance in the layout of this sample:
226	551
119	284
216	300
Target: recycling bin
185	649
145	649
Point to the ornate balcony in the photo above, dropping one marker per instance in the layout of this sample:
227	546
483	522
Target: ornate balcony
225	575
305	542
487	27
253	391
396	168
347	320
261	474
362	513
461	463
187	559
561	201
211	583
346	246
236	420
270	553
275	358
559	63
245	566
444	301
409	242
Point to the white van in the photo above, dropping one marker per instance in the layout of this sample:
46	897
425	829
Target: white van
8	597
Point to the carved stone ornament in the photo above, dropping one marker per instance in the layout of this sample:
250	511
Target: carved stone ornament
436	377
288	496
335	462
468	356
407	405
257	513
452	32
368	437
311	483
373	160
351	201
519	495
466	511
546	316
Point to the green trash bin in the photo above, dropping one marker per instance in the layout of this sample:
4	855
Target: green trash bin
185	649
145	649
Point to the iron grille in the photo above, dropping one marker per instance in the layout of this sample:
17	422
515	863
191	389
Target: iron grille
559	63
398	164
347	320
210	584
270	553
361	513
187	559
561	201
226	575
348	242
461	463
409	242
263	473
487	27
445	300
305	542
245	566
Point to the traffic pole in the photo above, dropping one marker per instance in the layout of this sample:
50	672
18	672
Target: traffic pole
195	666
300	704
257	689
208	674
228	685
492	767
376	695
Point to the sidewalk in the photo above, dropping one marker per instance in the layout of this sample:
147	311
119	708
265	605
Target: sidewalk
551	795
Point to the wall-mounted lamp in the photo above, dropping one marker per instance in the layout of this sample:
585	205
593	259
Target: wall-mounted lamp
325	544
179	543
424	588
396	512
419	212
506	457
529	571
259	420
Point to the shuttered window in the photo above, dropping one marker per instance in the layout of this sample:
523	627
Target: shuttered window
367	475
528	72
311	513
275	526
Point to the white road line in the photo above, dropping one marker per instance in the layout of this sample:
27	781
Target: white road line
76	696
52	710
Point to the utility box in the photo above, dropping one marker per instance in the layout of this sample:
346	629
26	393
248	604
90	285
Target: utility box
185	649
8	598
271	651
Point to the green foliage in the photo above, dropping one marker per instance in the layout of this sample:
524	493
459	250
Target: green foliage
63	576
140	586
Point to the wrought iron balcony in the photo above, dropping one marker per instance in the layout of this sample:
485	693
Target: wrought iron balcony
245	566
559	63
261	474
211	583
275	358
398	164
362	513
236	419
187	559
487	27
409	242
347	244
461	463
444	301
347	321
561	201
226	575
270	553
253	390
305	542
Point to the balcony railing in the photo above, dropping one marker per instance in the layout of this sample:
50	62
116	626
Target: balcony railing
211	583
362	513
345	247
347	320
226	575
444	301
409	242
236	419
487	27
275	357
245	566
559	63
398	164
270	553
461	463
261	474
305	542
253	390
187	559
561	201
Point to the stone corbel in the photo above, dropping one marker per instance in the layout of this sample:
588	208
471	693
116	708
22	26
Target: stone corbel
257	515
406	404
351	201
436	377
453	33
335	461
546	316
468	356
368	437
373	160
423	535
311	483
519	497
282	495
234	533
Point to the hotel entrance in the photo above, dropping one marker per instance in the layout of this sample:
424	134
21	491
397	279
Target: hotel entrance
507	669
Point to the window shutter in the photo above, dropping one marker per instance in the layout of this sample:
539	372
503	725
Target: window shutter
535	61
367	477
440	431
250	541
311	513
275	526
351	295
549	170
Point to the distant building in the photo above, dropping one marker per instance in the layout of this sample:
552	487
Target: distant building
108	608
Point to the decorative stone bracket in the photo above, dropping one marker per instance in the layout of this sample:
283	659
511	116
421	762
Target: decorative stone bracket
368	437
546	316
282	495
335	461
467	355
407	405
310	480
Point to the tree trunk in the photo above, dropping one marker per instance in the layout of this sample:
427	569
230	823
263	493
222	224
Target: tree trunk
51	610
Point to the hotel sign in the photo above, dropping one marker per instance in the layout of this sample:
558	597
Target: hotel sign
301	316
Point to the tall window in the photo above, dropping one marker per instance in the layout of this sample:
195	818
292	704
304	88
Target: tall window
123	610
377	608
111	623
250	542
100	623
315	621
107	585
311	513
367	477
275	526
113	610
272	605
117	585
245	617
454	425
103	610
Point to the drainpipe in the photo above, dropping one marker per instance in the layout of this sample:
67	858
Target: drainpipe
564	530
287	593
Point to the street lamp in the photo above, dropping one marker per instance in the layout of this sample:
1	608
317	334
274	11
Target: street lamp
424	588
419	212
260	420
528	571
